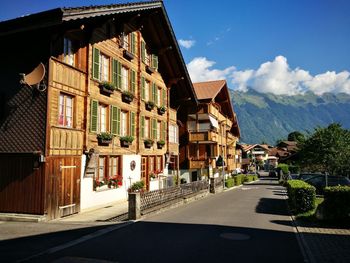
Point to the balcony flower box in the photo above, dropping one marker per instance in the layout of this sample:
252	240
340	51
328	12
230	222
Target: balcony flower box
106	88
126	141
127	96
128	55
150	70
160	144
104	138
149	105
161	110
148	143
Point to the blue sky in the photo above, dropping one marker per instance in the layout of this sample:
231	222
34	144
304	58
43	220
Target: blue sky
279	46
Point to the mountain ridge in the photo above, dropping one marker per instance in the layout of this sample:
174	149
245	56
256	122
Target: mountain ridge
269	117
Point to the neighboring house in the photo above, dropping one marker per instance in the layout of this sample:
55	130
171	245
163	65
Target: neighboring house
106	112
209	136
254	154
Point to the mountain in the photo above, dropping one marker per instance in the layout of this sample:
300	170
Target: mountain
268	117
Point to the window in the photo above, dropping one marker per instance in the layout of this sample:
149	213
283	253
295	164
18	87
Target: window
158	130
68	53
125	41
147	85
108	167
104	68
146	128
100	66
173	133
159	96
102	118
101	169
114	166
159	164
65	115
123	123
125	78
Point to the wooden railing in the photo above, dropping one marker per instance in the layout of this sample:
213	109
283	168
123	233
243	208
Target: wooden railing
197	164
164	196
65	141
206	135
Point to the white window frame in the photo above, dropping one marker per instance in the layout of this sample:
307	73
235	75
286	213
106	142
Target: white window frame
65	111
123	123
173	133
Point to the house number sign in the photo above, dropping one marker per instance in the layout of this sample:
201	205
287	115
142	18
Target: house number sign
132	165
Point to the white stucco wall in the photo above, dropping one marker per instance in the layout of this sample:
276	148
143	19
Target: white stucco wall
90	198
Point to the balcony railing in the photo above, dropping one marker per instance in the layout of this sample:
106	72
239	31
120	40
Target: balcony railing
203	136
198	164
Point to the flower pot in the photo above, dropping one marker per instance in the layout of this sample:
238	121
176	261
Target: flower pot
148	144
104	142
161	111
149	106
105	91
124	144
128	55
150	69
160	145
127	98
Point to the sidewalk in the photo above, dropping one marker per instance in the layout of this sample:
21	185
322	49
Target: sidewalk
102	214
325	245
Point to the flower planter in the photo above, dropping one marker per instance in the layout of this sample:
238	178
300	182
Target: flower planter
160	145
128	55
148	144
150	69
104	142
149	106
161	111
127	98
105	91
125	144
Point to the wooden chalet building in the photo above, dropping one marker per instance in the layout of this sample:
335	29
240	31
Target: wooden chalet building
209	134
104	114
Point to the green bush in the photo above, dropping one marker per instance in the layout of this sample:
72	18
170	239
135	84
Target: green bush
336	203
250	178
301	196
238	179
294	169
284	167
230	182
139	185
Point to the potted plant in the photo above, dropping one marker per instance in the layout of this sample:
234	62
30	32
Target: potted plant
98	184
149	105
160	144
104	138
125	141
128	55
137	186
161	110
127	96
152	176
114	181
106	87
148	143
150	69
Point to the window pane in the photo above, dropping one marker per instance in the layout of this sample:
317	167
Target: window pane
101	169
147	128
124	124
147	90
125	79
102	118
61	110
158	130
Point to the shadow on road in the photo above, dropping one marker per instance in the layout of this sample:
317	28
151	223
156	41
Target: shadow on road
272	206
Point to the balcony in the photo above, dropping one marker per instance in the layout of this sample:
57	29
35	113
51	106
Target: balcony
203	136
198	164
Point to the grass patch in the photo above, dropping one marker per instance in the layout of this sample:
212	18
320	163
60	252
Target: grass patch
311	214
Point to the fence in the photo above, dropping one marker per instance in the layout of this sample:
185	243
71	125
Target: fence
159	197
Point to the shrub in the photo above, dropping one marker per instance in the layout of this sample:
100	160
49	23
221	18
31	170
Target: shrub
250	178
337	202
284	167
294	169
301	196
230	182
139	185
238	179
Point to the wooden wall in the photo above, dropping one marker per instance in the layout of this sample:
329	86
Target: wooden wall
21	186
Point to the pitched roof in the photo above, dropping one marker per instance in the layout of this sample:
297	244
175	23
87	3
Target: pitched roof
208	89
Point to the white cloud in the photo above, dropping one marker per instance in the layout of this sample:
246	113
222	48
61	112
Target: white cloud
186	43
272	76
200	70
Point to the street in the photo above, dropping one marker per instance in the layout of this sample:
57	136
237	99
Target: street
247	224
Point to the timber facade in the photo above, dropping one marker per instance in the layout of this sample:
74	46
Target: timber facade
210	134
106	113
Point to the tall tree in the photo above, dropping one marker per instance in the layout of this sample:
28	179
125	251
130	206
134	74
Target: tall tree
327	150
296	136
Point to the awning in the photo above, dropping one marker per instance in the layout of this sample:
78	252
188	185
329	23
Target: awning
214	122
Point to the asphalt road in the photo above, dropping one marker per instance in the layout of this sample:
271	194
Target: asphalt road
247	224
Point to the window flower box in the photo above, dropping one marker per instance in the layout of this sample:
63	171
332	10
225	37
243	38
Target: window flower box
104	138
127	96
106	88
161	110
128	55
148	143
150	70
160	144
149	105
126	141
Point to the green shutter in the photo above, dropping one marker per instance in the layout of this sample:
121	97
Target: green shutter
154	93
133	43
96	63
163	137
114	72
142	130
114	119
93	115
133	81
154	128
118	120
119	75
164	101
143	88
132	124
154	61
143	51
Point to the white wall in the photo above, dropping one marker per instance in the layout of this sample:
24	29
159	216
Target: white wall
90	198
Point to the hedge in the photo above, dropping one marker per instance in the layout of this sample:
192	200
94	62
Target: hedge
230	182
238	179
336	203
301	196
284	167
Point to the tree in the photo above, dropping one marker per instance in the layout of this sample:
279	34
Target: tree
327	150
296	136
